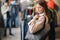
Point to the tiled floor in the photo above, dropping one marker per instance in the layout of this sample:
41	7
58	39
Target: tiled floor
16	32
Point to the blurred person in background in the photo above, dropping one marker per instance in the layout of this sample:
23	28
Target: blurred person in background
5	9
53	22
15	9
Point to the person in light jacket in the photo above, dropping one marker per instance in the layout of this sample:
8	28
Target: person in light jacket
4	10
38	19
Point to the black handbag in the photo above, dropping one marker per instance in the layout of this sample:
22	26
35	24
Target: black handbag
40	35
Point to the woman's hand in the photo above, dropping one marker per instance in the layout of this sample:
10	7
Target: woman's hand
35	17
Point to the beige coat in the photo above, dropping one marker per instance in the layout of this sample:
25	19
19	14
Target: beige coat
35	25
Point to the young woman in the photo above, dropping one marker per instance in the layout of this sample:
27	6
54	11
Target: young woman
38	20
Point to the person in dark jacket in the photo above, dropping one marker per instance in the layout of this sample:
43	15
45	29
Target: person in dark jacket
15	9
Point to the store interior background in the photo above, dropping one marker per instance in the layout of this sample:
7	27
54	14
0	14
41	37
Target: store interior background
57	2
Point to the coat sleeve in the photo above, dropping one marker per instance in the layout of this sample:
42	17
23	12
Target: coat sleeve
3	10
37	25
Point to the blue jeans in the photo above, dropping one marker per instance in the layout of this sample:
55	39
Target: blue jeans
15	16
7	21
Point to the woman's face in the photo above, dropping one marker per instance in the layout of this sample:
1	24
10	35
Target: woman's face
39	8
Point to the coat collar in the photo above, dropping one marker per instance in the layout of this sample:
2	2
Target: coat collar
42	14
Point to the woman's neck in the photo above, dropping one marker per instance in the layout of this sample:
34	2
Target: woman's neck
40	12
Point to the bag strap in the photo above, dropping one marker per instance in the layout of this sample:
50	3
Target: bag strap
44	23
